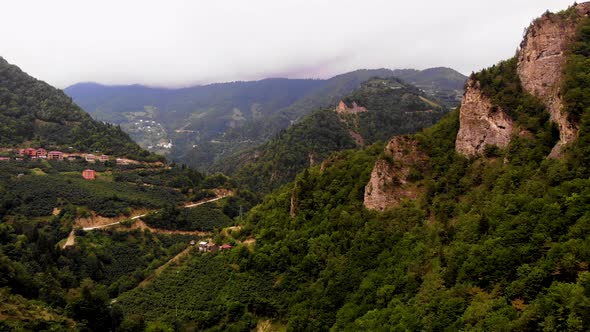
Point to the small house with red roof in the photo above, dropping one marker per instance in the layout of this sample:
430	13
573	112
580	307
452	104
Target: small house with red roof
226	247
103	158
89	174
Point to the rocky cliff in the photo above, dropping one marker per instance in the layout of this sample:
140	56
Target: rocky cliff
342	108
540	65
482	123
541	61
390	181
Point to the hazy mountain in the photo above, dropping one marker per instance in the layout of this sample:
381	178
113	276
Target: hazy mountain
207	123
378	110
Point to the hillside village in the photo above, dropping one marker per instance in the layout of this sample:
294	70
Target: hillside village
21	154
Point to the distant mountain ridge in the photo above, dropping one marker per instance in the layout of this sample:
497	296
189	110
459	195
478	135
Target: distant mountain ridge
207	123
378	110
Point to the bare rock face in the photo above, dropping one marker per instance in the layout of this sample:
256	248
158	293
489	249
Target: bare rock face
541	61
389	183
342	108
481	123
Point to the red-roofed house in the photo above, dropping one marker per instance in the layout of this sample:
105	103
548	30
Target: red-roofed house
103	158
55	155
226	247
30	152
89	174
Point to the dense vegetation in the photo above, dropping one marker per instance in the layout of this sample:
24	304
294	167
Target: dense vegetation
77	281
394	108
495	243
32	111
205	218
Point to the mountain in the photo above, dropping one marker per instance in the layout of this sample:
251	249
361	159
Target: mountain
445	84
207	123
33	113
478	223
379	109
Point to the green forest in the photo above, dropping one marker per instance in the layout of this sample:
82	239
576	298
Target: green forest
394	108
492	242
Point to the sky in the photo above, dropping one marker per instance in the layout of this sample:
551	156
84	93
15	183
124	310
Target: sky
174	43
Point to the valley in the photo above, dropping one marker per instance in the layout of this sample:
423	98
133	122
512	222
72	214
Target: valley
374	200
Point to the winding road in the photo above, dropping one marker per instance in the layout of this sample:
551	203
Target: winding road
187	206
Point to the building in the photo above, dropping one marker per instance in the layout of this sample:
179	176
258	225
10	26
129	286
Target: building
30	152
55	155
208	246
226	247
103	158
90	158
89	174
4	158
41	153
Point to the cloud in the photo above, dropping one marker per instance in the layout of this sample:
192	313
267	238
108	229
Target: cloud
177	43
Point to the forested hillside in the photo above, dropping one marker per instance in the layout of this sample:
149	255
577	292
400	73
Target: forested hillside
70	244
33	113
386	107
497	240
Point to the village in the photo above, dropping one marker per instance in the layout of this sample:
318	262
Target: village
22	154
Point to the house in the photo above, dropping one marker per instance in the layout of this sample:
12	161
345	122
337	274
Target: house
90	158
203	246
55	155
103	158
226	247
41	153
72	158
4	158
89	174
208	246
30	152
192	242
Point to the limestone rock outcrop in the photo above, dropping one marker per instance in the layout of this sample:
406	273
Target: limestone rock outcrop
481	123
342	108
541	61
389	183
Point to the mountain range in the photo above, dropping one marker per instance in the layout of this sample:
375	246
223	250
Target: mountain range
207	123
382	211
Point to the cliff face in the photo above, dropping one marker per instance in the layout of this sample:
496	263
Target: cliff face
541	61
342	108
481	123
389	183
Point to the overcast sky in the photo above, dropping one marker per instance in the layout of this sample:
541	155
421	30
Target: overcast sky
181	42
